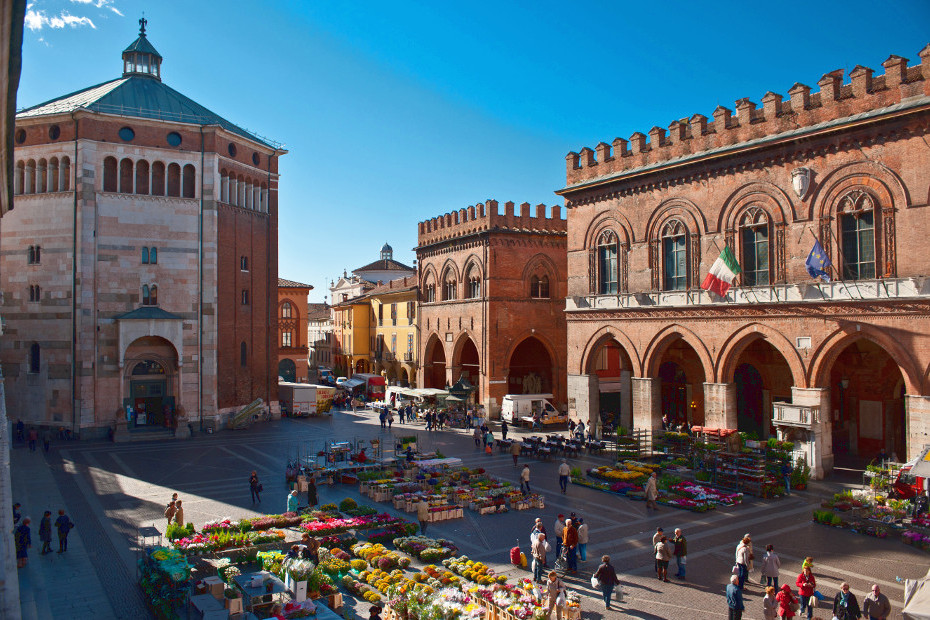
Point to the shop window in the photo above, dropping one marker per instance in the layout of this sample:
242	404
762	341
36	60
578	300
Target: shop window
754	238
607	275
674	256
857	236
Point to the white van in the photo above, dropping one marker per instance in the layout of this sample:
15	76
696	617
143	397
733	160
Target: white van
520	408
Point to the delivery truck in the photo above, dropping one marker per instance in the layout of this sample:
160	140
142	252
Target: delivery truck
304	399
520	409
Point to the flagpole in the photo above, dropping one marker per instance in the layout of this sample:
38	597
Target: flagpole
725	299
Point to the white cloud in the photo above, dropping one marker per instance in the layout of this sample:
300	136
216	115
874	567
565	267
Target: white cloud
100	4
37	20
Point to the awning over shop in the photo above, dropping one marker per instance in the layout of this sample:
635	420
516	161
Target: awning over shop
430	392
351	384
921	465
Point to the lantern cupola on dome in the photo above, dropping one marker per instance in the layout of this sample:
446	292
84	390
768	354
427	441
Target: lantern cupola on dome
141	58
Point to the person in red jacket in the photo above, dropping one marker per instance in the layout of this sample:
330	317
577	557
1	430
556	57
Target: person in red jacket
806	584
785	599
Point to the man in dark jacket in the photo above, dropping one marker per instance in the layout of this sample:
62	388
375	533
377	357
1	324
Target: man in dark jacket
681	553
45	532
735	599
64	525
570	540
845	605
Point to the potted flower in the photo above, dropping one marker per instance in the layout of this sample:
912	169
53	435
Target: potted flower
233	601
297	573
800	474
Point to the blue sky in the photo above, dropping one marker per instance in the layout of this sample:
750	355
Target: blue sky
395	112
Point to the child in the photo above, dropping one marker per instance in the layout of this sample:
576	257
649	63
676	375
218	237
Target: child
374	613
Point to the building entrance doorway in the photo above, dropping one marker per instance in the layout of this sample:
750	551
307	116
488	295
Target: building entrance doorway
148	387
287	370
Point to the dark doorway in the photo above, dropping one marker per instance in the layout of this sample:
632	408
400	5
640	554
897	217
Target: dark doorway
287	370
749	401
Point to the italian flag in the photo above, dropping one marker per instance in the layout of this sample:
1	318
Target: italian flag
722	273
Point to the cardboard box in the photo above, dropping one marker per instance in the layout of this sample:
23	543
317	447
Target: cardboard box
234	605
334	601
215	586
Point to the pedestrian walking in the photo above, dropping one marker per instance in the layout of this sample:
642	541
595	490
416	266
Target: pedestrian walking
488	441
663	556
845	605
652	493
23	539
390	419
33	438
876	605
742	560
538	527
504	430
422	515
255	487
525	480
606	579
681	553
769	604
570	540
770	566
64	525
515	451
655	541
478	435
559	529
555	594
806	584
20	431
582	540
46	439
786	476
311	492
179	513
787	603
735	599
564	473
45	532
538	550
292	502
383	418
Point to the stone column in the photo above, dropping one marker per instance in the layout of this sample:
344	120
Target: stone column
647	403
917	417
584	399
626	399
821	448
720	405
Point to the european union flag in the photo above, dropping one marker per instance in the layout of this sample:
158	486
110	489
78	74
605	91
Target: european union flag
817	261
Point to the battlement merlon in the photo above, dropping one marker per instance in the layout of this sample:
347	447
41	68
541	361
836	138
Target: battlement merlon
487	216
802	108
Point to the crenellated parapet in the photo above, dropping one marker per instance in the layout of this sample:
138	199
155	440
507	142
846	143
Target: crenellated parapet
486	216
777	114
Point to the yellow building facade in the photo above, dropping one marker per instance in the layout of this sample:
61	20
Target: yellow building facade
352	337
395	338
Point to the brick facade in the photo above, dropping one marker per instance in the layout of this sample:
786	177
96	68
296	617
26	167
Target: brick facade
766	182
492	289
292	312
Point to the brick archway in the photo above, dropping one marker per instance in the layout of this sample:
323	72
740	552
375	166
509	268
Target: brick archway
532	354
434	363
825	356
736	344
601	336
665	338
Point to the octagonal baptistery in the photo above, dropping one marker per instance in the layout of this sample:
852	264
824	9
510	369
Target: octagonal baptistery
139	264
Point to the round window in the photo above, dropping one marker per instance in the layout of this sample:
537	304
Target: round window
255	158
174	138
232	149
20	136
54	132
126	134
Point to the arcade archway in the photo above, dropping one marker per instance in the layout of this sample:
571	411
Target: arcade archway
867	397
151	365
681	376
611	364
287	370
530	369
470	367
762	376
434	365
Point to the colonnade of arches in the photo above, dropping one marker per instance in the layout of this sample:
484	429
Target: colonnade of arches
128	176
42	176
865	372
241	191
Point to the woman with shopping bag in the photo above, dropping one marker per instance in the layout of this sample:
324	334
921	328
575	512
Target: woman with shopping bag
605	579
555	595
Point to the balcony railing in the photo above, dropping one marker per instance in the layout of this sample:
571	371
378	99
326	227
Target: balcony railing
787	414
408	357
812	292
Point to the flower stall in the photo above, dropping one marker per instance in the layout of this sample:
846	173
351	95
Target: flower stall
165	578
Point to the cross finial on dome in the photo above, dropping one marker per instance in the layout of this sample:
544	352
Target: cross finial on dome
142	23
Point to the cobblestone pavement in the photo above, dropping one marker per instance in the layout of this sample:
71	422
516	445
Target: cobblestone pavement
111	490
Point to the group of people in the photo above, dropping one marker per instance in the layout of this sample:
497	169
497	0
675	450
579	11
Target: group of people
571	541
32	436
784	603
174	511
665	548
22	533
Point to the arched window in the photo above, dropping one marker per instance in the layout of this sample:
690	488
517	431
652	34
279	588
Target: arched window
243	354
153	295
64	175
146	297
142	177
153	255
539	287
448	286
125	176
286	310
754	238
857	235
286	339
189	181
53	182
158	179
674	238
35	293
145	255
474	283
42	177
174	180
20	178
110	175
35	358
430	294
607	264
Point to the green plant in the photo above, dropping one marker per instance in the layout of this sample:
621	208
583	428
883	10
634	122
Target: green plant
176	531
329	508
702	476
801	472
230	593
576	472
835	520
347	504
